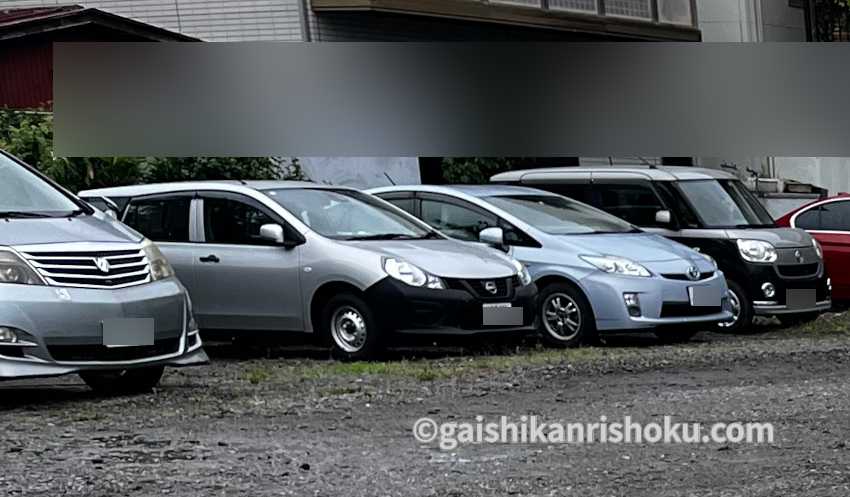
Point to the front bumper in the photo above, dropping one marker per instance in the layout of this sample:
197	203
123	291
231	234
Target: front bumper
663	302
759	274
423	311
60	329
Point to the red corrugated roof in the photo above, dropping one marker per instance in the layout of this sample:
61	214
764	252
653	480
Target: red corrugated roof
11	16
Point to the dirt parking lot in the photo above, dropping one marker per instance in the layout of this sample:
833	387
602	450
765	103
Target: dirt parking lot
281	422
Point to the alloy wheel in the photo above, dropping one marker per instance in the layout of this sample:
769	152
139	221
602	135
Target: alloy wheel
561	316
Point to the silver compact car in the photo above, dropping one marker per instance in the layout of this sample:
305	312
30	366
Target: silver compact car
82	293
595	272
294	256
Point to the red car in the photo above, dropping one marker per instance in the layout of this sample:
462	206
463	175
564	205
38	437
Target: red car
828	220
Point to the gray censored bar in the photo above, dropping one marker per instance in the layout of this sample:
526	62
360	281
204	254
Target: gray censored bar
451	99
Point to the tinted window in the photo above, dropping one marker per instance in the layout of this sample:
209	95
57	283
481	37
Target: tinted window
162	219
456	221
834	216
636	204
559	215
233	222
724	204
577	191
405	204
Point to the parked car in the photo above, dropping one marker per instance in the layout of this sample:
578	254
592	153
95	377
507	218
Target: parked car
82	293
594	271
828	221
294	256
771	271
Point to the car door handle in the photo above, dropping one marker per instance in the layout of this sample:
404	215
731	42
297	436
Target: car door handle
211	258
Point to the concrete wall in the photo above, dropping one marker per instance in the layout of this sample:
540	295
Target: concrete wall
750	20
832	173
210	20
362	172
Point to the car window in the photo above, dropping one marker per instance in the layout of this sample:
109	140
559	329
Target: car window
635	203
724	204
456	221
834	216
405	204
232	222
23	191
560	216
160	219
575	191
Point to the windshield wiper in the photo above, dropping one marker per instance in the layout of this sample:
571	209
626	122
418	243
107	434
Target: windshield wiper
382	236
22	215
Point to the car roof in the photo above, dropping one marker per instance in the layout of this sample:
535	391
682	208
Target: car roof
229	185
471	190
652	173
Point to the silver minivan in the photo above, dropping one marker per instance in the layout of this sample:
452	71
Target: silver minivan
82	293
295	256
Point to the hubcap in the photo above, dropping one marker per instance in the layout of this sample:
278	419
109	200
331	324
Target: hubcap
561	316
348	329
735	303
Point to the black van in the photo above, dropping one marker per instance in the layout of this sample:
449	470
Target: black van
771	271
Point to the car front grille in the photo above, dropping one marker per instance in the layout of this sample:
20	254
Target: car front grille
798	270
685	277
487	289
101	353
91	268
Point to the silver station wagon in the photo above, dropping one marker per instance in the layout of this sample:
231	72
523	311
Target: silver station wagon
82	293
293	256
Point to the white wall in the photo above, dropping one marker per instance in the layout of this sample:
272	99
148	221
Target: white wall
750	20
362	172
832	173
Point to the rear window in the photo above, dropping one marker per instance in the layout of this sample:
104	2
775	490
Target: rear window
161	219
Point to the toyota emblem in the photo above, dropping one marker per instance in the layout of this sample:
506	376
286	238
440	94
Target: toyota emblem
694	273
491	287
102	264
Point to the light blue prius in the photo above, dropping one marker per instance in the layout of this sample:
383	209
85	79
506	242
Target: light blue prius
595	271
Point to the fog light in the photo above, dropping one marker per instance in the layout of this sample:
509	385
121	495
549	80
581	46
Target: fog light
8	335
769	290
632	304
829	284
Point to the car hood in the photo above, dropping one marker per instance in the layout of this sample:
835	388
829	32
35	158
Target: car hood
778	237
445	258
97	228
638	247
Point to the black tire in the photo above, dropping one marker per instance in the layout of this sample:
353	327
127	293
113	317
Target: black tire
788	320
744	322
571	301
668	337
124	381
347	313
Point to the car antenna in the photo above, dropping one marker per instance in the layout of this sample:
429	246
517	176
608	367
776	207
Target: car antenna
389	178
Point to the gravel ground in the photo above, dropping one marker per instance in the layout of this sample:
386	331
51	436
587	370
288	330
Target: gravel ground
294	424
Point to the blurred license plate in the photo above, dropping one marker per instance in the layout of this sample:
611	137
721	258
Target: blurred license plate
704	296
128	332
800	298
503	314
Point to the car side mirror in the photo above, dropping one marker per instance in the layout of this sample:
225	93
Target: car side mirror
663	217
272	233
492	236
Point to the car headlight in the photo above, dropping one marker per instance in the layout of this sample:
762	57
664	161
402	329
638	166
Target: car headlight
160	267
522	272
617	265
411	275
757	251
16	271
818	248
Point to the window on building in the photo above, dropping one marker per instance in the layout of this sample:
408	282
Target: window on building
641	9
588	6
675	12
233	222
160	219
529	3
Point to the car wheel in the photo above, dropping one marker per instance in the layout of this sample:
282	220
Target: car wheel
350	328
675	336
124	381
566	319
742	311
797	319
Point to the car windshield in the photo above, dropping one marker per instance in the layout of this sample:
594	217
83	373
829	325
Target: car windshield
725	204
348	215
24	194
561	216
